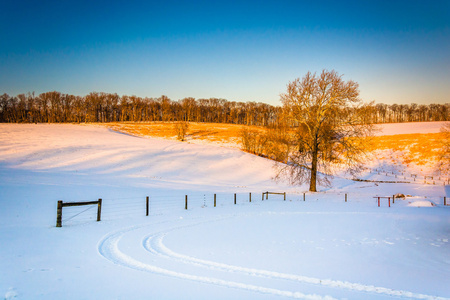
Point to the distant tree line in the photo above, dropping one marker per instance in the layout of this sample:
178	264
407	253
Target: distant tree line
56	107
398	113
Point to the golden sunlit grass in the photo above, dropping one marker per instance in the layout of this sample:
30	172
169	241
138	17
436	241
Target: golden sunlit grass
208	132
417	148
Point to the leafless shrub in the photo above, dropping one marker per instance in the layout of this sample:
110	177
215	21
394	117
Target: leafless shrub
181	128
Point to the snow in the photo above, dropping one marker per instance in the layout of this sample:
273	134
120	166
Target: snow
409	128
422	203
321	248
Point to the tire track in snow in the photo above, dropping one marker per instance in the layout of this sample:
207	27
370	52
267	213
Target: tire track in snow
155	245
109	248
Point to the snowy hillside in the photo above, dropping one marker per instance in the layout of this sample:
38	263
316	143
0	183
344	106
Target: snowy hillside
320	248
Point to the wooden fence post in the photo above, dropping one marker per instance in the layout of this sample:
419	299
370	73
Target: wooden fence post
345	197
59	214
284	196
304	197
186	203
234	198
250	197
99	209
445	201
263	196
214	200
393	199
147	204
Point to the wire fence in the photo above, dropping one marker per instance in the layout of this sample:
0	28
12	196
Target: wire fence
397	176
132	207
119	208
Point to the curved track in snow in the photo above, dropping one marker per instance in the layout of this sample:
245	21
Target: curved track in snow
153	244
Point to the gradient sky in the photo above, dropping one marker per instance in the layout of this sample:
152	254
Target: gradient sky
398	51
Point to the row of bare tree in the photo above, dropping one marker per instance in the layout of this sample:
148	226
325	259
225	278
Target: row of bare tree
397	113
56	107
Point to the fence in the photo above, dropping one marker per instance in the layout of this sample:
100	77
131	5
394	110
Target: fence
439	179
118	208
128	207
273	193
61	204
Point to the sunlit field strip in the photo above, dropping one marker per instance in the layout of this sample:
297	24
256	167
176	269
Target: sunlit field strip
209	132
417	148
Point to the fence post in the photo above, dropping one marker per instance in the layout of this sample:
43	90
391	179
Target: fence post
445	201
250	197
59	214
389	200
263	196
214	200
304	197
378	201
186	203
393	199
345	197
284	196
99	210
234	198
147	204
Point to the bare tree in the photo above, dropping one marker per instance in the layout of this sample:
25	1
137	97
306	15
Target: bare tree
254	140
325	132
281	142
188	105
181	128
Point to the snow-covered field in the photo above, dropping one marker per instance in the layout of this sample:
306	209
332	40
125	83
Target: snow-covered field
409	128
321	248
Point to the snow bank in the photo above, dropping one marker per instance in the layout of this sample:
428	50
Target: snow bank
421	203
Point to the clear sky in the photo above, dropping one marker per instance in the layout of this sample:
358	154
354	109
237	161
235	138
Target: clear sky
398	51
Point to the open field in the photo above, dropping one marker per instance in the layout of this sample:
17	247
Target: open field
421	149
211	133
320	248
412	144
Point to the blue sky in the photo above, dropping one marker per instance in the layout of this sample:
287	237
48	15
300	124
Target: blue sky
398	51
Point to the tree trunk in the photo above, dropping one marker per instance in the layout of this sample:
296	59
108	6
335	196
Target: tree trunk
312	184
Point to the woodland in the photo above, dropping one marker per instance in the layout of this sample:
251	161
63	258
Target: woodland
57	107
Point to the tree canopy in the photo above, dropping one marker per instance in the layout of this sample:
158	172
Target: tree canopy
324	111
